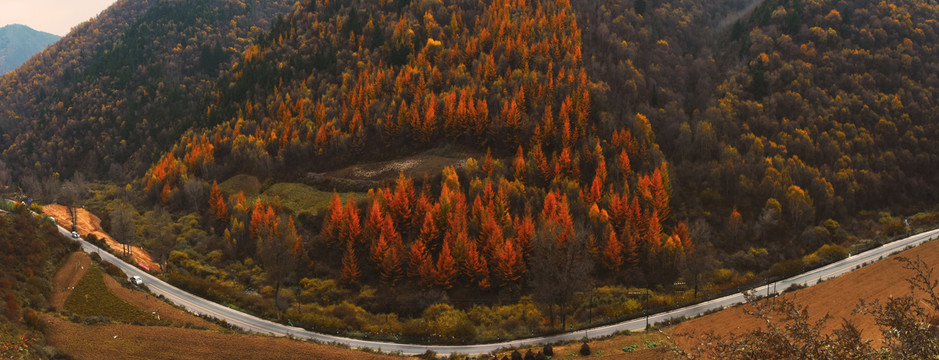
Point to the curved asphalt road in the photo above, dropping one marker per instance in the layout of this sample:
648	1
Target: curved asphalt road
254	324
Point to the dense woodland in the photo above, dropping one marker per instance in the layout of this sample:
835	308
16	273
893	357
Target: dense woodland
677	145
119	89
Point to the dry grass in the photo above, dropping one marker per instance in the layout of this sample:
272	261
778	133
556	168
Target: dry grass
300	198
247	184
646	346
157	342
837	297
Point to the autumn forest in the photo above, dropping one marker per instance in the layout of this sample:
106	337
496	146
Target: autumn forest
592	160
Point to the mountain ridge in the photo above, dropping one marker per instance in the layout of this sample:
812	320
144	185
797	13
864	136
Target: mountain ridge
20	42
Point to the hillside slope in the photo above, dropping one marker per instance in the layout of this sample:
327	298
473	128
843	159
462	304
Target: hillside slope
123	85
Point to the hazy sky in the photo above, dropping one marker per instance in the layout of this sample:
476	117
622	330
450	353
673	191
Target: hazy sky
52	16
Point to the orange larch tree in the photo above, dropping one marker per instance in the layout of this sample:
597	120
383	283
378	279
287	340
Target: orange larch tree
350	266
613	251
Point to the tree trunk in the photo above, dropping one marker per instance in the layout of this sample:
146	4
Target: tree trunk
276	298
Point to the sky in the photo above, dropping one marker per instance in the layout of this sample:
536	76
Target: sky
52	16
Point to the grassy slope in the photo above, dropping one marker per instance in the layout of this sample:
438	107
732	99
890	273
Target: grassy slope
92	298
300	198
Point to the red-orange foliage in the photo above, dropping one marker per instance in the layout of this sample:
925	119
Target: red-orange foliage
390	268
399	202
624	165
474	266
684	237
510	265
375	218
332	222
446	267
350	266
518	164
217	203
350	229
659	196
557	214
524	232
613	252
166	193
652	236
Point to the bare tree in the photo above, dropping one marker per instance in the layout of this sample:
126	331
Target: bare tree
559	270
275	249
195	191
122	227
72	194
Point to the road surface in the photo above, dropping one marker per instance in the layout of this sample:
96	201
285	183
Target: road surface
251	323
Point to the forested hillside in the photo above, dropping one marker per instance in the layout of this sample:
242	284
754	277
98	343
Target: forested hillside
599	148
123	86
827	113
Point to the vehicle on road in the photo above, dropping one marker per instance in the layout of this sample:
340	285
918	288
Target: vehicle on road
136	280
74	234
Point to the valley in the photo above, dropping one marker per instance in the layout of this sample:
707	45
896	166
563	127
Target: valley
469	175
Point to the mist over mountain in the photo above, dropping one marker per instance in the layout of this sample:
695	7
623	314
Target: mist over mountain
18	43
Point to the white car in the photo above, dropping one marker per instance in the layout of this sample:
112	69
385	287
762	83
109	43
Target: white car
136	280
74	234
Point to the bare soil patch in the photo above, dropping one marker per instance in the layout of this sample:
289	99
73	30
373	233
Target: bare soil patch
413	166
837	297
88	223
156	342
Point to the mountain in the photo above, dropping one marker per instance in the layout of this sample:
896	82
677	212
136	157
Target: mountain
124	85
643	143
18	43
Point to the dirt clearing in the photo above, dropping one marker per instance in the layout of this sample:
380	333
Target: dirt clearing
414	167
88	223
837	297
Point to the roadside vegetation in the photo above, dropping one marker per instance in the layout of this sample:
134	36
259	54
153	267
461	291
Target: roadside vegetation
32	250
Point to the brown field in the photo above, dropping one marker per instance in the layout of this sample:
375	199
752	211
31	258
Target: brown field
119	341
88	223
414	167
609	348
836	297
157	342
